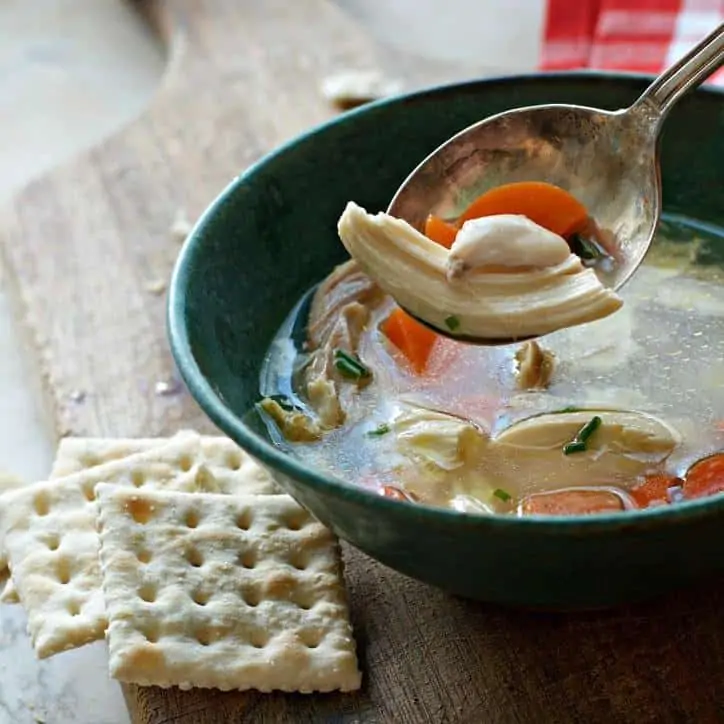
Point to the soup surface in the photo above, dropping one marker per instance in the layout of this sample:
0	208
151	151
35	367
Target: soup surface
606	416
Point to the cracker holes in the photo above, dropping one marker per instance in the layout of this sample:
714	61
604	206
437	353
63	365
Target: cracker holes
186	462
296	521
89	491
302	600
148	593
258	639
150	632
144	556
73	608
138	478
244	519
205	479
194	557
248	559
204	636
311	638
41	503
299	561
62	570
251	597
233	461
200	597
53	542
192	519
140	510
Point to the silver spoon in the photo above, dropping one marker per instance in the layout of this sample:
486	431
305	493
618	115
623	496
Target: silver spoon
609	160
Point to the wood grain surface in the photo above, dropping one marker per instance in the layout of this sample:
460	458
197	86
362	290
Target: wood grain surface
86	246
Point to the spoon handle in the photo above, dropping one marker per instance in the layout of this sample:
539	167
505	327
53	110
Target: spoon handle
689	72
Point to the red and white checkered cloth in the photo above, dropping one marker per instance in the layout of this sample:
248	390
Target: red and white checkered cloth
634	35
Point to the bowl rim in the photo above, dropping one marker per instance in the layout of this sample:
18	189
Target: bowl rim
215	408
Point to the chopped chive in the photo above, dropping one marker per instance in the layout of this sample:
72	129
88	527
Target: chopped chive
380	430
502	495
350	366
347	370
589	428
586	248
574	447
580	441
452	322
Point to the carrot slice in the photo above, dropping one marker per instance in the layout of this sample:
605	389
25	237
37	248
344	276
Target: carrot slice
571	502
545	204
653	489
440	231
705	477
413	339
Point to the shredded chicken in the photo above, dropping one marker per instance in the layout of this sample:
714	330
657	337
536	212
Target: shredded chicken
535	366
495	303
443	440
294	424
345	285
324	400
339	313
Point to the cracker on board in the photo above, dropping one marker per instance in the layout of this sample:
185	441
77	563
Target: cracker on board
8	592
8	481
80	453
226	461
74	454
51	540
244	592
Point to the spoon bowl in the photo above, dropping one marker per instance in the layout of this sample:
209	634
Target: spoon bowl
608	160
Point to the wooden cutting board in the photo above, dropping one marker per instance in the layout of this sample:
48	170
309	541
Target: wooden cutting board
87	245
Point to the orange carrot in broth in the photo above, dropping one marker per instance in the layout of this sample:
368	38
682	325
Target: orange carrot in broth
571	502
411	337
654	489
705	477
440	231
545	204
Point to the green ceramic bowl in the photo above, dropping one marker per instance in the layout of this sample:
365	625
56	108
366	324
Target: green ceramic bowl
271	235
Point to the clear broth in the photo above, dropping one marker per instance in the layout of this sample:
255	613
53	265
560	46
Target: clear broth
662	353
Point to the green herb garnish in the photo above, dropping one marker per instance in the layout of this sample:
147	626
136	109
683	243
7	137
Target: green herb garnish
452	322
580	441
591	253
350	366
586	248
574	447
502	495
379	431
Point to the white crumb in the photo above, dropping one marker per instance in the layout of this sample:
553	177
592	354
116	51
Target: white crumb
181	227
355	87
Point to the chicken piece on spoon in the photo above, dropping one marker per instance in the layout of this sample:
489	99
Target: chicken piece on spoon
529	286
